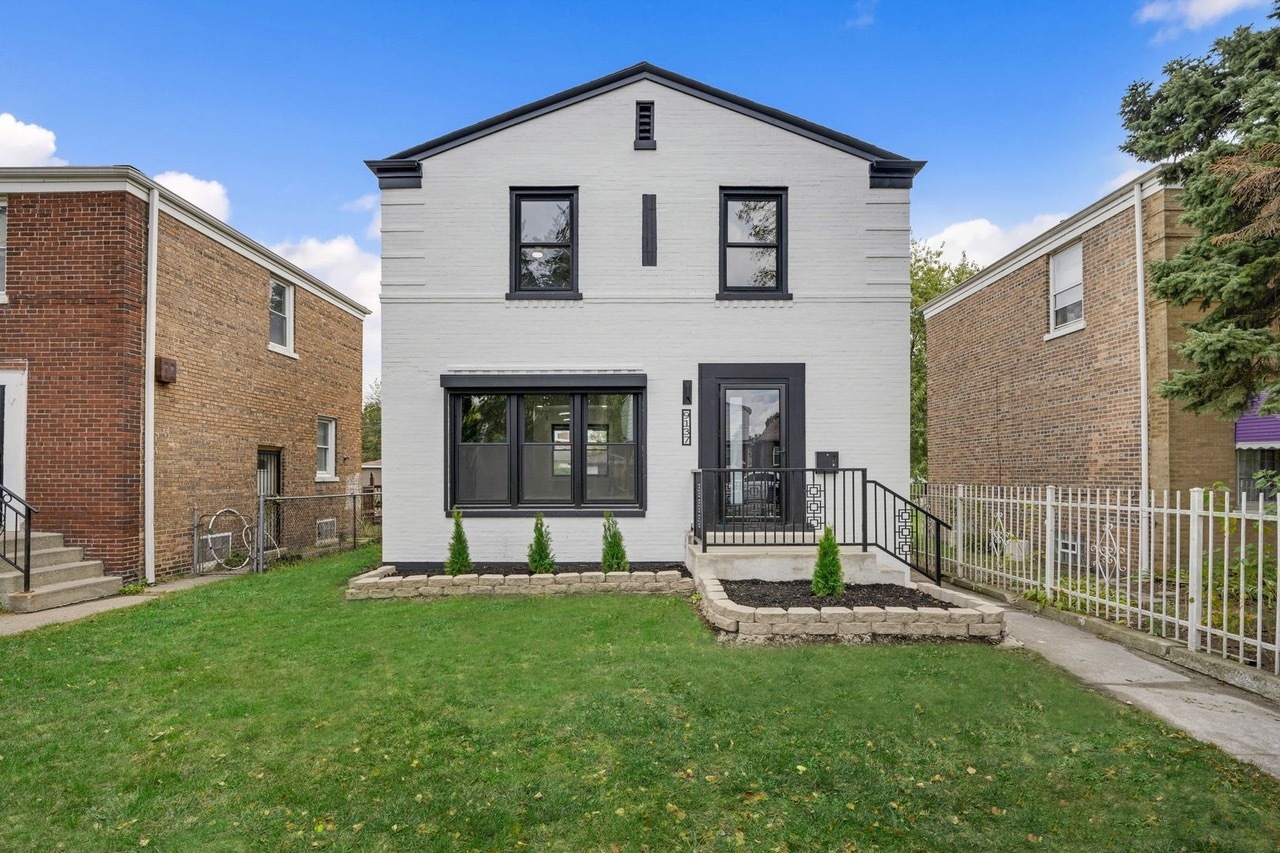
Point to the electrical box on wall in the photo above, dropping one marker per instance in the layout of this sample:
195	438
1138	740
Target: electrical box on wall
828	460
166	370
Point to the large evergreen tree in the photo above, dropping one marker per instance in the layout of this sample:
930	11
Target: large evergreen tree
1215	121
931	277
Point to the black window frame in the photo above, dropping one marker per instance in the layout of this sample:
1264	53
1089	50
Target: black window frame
775	194
579	388
519	194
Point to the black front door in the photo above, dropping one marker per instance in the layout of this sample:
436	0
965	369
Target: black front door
751	428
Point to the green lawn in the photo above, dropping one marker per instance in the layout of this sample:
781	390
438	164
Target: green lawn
268	713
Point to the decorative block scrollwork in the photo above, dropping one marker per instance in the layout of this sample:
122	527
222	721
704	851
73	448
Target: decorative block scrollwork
903	524
815	501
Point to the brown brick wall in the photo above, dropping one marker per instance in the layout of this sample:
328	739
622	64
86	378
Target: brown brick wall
1007	407
76	287
233	395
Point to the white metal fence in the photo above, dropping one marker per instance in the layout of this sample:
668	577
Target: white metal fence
1194	567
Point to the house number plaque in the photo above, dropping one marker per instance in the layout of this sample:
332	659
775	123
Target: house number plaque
686	427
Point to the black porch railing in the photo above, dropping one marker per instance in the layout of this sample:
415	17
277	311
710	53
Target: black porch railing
792	506
15	534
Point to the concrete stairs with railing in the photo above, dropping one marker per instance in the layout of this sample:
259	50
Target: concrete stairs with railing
59	575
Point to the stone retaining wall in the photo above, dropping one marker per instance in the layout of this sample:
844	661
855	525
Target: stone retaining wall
972	619
384	583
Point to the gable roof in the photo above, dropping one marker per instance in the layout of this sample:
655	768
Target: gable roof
888	170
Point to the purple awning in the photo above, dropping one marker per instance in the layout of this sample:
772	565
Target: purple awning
1258	430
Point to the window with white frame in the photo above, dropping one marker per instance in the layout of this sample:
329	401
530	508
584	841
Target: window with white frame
4	242
280	310
326	447
1066	288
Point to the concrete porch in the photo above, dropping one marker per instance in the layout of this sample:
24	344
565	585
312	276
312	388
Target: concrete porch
774	562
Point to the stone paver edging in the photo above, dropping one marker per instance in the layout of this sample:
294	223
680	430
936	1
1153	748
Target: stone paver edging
973	619
384	583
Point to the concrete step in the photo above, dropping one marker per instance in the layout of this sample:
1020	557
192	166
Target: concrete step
11	582
39	542
55	557
67	592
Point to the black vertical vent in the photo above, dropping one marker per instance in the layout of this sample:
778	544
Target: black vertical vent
649	230
644	125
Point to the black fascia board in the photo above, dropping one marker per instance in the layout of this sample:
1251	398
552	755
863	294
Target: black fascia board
687	85
544	382
894	174
393	174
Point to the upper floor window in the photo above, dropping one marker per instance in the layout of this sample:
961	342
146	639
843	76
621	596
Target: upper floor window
1066	289
4	242
326	448
280	310
753	244
544	243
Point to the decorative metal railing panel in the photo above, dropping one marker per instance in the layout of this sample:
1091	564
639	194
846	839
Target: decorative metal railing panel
793	506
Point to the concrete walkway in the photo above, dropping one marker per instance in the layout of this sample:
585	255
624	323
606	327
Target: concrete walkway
17	623
1239	723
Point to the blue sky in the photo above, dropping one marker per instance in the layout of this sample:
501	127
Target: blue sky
264	112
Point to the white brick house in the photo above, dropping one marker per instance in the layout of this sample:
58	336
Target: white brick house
589	297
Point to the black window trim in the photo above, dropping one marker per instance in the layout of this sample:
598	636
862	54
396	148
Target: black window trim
516	195
514	385
778	194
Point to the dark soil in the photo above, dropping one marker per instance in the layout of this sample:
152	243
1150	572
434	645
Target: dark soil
523	569
800	594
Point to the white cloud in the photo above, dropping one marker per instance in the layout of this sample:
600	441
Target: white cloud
983	241
1127	173
210	196
862	15
367	202
23	144
341	262
1174	16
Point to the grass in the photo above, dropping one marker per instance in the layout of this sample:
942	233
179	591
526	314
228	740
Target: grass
267	713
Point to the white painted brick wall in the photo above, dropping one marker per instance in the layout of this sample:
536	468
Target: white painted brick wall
445	278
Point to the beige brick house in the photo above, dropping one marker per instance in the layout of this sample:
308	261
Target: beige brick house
1036	371
154	360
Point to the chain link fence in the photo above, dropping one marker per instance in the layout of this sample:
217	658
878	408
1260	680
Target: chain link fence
259	531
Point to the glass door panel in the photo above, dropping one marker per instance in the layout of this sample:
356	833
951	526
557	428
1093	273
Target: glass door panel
752	440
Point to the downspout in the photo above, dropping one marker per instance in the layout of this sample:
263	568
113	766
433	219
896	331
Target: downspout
1144	499
149	394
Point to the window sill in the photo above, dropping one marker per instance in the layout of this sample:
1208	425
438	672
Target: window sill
551	294
728	295
549	512
327	478
4	300
282	351
646	144
1073	326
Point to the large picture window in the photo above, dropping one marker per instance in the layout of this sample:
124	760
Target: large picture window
544	237
562	449
753	244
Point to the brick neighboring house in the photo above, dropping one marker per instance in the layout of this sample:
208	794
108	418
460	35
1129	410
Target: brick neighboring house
1034	366
113	452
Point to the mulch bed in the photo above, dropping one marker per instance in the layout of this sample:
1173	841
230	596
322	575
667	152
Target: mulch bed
800	594
523	569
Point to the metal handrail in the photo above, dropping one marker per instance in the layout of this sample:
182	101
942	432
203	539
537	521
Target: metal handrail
15	518
791	506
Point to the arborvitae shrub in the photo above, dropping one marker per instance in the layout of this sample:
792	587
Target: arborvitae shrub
828	577
459	562
613	557
541	558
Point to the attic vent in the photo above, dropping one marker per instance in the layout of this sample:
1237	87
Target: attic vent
644	125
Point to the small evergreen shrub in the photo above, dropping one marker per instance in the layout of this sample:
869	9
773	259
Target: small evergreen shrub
459	562
613	557
828	577
541	558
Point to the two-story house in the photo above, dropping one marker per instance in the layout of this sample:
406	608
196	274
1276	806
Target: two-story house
1043	367
153	361
591	296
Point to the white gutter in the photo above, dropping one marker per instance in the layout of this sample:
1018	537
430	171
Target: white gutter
1144	499
149	393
